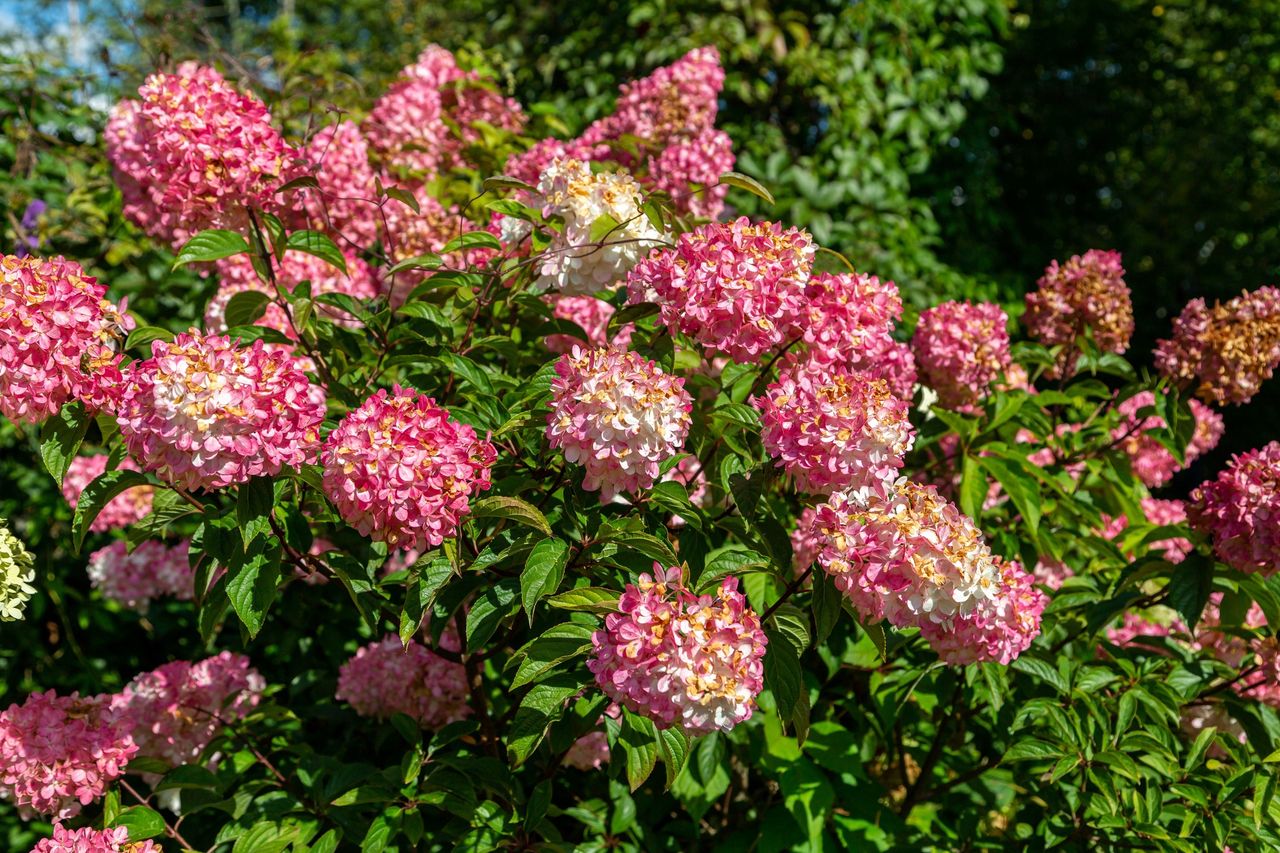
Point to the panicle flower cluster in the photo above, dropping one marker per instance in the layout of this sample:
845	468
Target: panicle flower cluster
17	571
1088	291
204	414
619	416
58	338
578	262
1051	573
423	124
832	428
1240	511
1154	464
90	840
58	753
196	153
689	171
806	541
849	318
178	709
960	349
237	275
1224	353
344	202
401	471
387	677
152	570
737	288
592	316
680	659
913	558
129	506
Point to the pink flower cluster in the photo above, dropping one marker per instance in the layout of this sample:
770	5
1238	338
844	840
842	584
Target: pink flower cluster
90	840
401	471
423	124
1224	353
238	276
204	414
129	506
1166	513
680	659
806	541
152	570
1240	511
849	318
58	753
425	232
386	678
592	316
619	416
196	153
178	709
1088	291
961	349
737	288
1154	464
344	202
58	338
1135	625
689	171
589	752
914	559
831	428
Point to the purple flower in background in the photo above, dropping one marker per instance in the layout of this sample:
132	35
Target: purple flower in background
28	238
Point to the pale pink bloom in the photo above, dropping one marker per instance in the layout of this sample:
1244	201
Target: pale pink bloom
203	413
619	416
59	338
90	840
177	710
1154	464
59	753
592	316
1087	292
1226	352
401	471
387	677
1164	513
1197	718
345	201
831	428
591	751
689	171
806	541
129	506
961	349
737	288
152	570
696	662
1240	511
1051	573
998	630
849	318
1134	625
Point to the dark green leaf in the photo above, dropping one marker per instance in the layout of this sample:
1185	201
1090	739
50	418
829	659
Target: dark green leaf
254	502
521	512
543	572
638	738
97	495
252	580
315	243
246	307
211	246
499	601
60	439
541	706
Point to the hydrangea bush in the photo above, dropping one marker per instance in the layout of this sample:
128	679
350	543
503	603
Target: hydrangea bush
507	467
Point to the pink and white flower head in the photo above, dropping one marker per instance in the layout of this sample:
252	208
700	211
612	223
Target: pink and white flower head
806	541
344	202
387	678
90	840
1240	511
205	414
197	153
619	416
1088	291
1226	352
684	660
998	629
735	287
238	275
59	753
961	348
151	571
128	507
58	338
423	124
592	316
577	262
892	362
689	171
178	709
1154	464
1164	513
1051	573
401	471
849	318
831	428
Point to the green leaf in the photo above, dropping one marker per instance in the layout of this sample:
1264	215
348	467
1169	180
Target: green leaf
973	487
514	509
498	602
540	707
791	623
751	185
729	562
254	502
1022	489
1042	670
417	262
673	497
97	495
1032	748
246	307
428	577
644	543
638	738
211	245
541	655
315	243
142	336
252	580
543	572
630	314
826	605
60	439
472	240
404	197
141	822
782	674
587	599
603	227
1190	587
495	183
673	745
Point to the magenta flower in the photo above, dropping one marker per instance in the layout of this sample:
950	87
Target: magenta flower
1240	511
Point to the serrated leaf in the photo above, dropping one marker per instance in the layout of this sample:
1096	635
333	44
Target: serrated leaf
253	577
60	439
514	509
751	185
540	707
319	245
497	602
543	572
638	738
417	262
404	197
673	745
211	245
1022	489
142	336
1032	749
1190	587
586	599
141	822
782	674
97	495
254	502
472	240
541	655
1042	670
973	487
246	307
